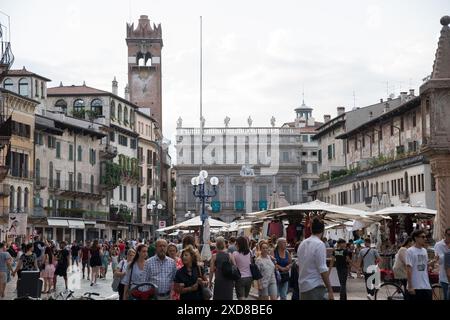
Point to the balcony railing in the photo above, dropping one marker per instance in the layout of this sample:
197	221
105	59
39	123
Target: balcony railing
79	189
14	172
40	183
78	213
108	152
5	211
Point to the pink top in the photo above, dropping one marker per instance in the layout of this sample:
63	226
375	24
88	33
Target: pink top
243	263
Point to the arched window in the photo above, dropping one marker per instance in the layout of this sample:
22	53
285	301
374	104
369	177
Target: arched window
79	181
61	106
8	84
125	114
50	174
37	170
78	105
119	112
113	110
97	107
25	198
131	117
140	60
19	198
148	59
23	87
11	198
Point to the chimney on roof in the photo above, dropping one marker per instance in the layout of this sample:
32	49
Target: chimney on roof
127	93
403	96
381	100
60	84
370	115
326	118
115	88
340	110
411	92
84	83
386	107
389	99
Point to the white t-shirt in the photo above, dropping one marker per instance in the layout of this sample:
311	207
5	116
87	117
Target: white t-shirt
312	261
417	259
440	250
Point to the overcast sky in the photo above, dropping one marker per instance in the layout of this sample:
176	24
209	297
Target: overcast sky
257	55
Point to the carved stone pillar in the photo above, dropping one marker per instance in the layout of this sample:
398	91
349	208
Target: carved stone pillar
440	166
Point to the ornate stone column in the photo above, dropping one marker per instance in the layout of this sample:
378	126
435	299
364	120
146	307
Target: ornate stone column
440	166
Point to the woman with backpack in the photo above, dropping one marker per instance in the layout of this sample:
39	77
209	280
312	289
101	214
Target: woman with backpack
283	264
223	287
267	284
243	259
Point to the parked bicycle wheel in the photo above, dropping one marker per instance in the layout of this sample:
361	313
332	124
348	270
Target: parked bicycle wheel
438	293
389	291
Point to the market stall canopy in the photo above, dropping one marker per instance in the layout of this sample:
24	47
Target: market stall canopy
404	209
334	213
195	223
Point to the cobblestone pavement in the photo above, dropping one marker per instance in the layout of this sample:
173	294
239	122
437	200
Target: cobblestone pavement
355	287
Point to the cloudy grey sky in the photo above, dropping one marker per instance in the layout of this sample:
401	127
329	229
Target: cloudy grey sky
258	55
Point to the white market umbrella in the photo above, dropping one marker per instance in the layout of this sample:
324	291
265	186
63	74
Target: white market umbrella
334	213
195	223
404	209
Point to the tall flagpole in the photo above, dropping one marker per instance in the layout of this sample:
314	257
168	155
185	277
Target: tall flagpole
201	89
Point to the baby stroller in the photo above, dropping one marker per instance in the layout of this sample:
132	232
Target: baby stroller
144	291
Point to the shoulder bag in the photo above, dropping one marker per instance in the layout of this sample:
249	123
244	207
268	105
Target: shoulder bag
256	273
206	292
116	280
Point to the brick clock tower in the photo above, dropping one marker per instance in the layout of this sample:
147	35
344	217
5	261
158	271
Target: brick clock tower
144	66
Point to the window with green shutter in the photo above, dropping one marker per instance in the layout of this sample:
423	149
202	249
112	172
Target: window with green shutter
58	150
70	152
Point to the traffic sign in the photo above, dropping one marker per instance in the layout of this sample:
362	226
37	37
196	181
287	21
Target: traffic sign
162	224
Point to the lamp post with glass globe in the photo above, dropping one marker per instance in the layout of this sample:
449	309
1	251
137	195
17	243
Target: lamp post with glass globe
203	193
153	206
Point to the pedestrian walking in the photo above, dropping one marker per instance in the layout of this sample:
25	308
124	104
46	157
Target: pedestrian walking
136	273
172	252
242	258
267	285
399	267
106	259
190	279
368	262
223	287
121	271
74	252
283	264
441	248
341	260
63	264
114	258
49	270
27	261
419	287
160	270
85	258
313	277
232	245
95	261
6	262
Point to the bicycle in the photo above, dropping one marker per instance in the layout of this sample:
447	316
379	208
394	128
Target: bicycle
390	289
69	295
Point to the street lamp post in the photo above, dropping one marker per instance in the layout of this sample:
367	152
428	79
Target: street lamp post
203	193
153	206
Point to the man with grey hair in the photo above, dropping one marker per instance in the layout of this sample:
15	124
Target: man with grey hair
160	270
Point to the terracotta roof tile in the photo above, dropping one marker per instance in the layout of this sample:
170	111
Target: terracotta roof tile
75	90
25	72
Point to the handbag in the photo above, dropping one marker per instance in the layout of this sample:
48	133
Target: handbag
230	271
206	292
284	276
256	273
116	281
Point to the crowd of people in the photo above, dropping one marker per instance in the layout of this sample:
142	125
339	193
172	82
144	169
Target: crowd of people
175	270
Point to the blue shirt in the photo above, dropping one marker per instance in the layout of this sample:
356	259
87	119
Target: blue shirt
161	273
